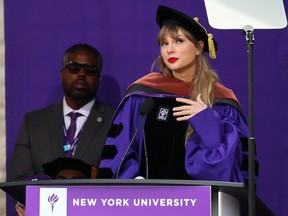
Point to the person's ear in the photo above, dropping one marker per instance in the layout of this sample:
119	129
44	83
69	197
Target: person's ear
200	47
61	73
100	77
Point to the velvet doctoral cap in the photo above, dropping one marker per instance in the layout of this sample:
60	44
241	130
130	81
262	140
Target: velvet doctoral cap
166	15
54	167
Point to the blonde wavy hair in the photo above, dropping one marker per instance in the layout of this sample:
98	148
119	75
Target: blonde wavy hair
205	77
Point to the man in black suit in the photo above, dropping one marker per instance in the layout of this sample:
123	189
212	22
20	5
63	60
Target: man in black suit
43	135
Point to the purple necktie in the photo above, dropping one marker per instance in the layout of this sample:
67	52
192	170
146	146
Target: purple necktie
72	128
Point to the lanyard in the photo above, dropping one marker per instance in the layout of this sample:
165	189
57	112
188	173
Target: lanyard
70	147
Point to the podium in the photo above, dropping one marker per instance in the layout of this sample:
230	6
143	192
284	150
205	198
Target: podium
133	197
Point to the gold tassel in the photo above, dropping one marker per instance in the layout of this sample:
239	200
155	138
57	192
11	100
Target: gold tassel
211	46
93	172
212	51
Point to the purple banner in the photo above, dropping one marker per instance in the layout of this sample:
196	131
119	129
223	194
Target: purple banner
118	200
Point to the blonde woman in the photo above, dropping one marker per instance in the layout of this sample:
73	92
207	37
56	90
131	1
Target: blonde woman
194	126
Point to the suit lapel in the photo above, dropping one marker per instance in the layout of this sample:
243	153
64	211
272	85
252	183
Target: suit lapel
90	128
55	124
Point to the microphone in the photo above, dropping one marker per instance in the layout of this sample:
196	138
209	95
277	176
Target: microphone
145	108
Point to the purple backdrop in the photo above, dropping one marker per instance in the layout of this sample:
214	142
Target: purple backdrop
37	33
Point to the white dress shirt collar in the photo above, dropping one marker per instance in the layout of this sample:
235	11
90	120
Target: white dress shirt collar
85	110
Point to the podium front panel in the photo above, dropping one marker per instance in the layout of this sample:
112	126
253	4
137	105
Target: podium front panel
118	200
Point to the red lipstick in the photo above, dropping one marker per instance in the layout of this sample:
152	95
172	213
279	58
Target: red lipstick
172	59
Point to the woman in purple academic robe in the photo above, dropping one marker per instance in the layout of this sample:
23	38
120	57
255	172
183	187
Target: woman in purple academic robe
192	126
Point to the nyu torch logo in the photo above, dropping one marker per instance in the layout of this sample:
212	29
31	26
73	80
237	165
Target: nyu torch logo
52	199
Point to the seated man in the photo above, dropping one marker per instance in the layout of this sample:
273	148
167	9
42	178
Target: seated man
63	168
69	168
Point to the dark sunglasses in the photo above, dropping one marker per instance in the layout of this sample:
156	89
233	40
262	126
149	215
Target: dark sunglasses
74	67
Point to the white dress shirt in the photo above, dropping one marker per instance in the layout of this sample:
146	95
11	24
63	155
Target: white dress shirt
85	110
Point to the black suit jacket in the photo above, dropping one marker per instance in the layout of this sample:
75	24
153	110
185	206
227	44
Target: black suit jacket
41	139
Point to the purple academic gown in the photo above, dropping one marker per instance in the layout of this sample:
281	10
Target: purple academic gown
213	152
